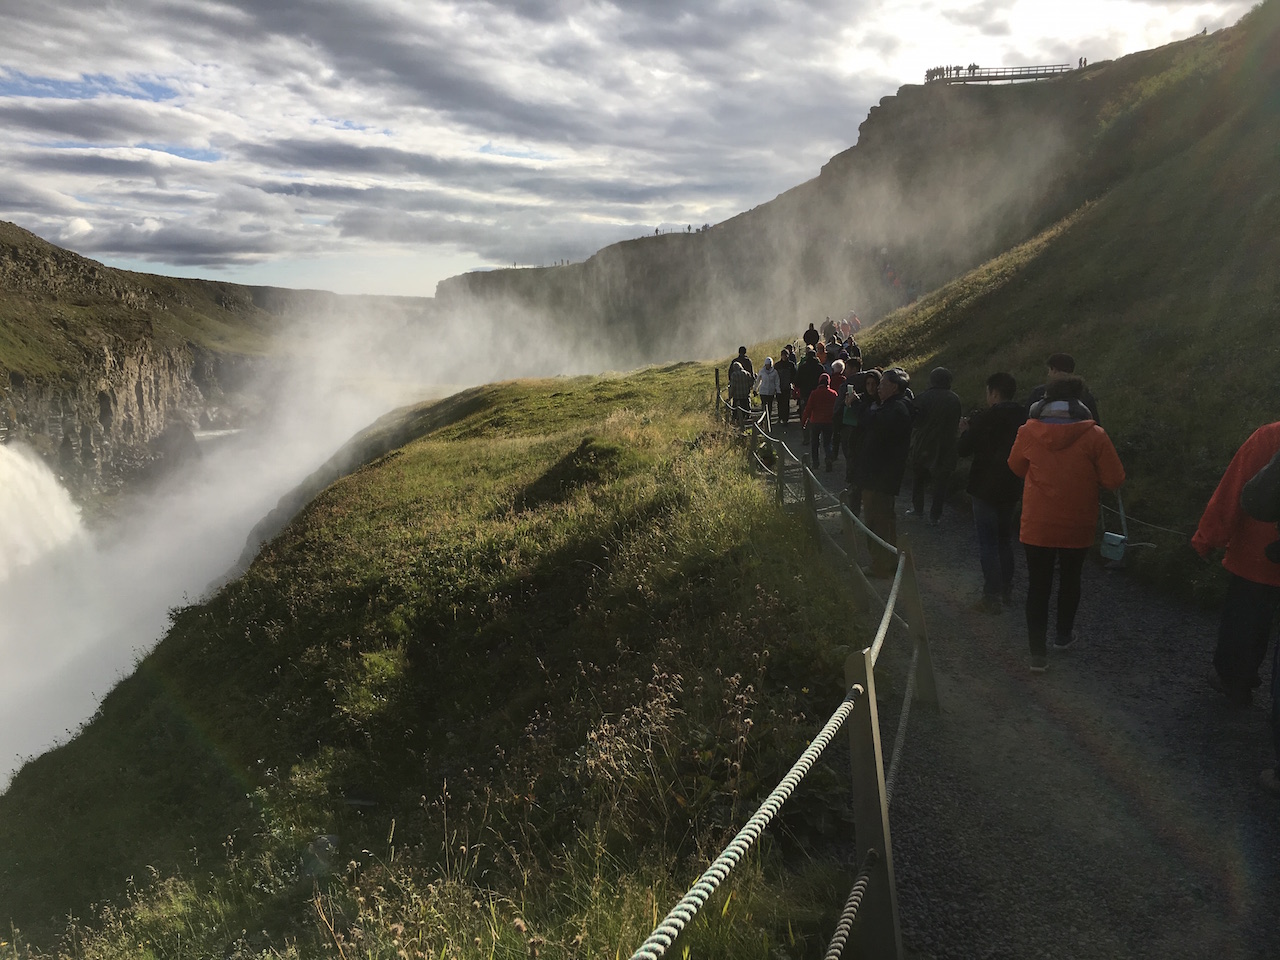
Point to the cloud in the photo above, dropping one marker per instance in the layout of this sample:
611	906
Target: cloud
480	122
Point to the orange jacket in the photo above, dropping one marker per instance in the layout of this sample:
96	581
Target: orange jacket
1225	524
1063	466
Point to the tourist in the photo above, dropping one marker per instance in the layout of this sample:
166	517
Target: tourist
812	337
882	462
933	444
767	385
807	375
816	416
994	490
740	384
745	361
786	367
1253	589
1063	365
1064	457
861	393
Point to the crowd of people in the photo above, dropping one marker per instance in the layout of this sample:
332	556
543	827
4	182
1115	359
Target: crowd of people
1038	469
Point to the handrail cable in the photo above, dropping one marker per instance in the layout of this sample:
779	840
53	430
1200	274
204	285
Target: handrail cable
888	609
664	935
849	915
900	740
1144	523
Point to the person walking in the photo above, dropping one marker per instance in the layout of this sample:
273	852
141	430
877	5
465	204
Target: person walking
740	385
861	393
933	444
1253	589
807	375
811	337
882	462
818	411
994	490
1064	457
767	385
745	361
786	367
1063	365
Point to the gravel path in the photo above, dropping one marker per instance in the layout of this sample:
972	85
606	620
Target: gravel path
1107	808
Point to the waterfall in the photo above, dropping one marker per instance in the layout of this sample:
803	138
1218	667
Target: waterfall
36	514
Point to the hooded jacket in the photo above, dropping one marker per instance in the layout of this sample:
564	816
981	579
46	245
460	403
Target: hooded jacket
1063	464
821	404
1225	523
767	379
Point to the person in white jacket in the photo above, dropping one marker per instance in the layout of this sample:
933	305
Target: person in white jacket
767	386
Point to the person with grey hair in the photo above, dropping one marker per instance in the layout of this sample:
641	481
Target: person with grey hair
933	444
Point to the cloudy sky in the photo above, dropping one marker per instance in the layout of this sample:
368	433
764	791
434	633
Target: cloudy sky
381	145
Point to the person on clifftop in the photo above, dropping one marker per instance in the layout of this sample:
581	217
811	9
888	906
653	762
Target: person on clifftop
1064	457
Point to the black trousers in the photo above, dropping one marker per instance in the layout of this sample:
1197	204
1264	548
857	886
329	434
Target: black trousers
1040	563
1244	633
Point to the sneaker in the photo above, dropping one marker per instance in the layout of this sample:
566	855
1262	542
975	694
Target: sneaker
1039	664
1065	643
987	605
1270	781
1237	698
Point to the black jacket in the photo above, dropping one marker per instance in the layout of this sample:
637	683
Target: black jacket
786	376
988	440
743	359
886	445
807	374
933	436
812	336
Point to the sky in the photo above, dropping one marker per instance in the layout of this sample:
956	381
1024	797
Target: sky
379	146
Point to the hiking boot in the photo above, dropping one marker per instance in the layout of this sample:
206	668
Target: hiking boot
1237	698
987	605
1039	664
1270	781
1065	643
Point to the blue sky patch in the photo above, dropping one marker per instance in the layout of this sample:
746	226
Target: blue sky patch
514	154
186	153
14	84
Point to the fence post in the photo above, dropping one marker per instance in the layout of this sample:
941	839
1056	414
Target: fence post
718	398
878	920
854	534
926	683
780	461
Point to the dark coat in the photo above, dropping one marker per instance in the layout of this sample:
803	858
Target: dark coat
812	336
988	440
933	435
807	374
786	376
743	359
886	445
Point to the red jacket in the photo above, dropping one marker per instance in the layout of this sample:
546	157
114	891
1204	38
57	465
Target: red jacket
1063	465
1225	524
821	404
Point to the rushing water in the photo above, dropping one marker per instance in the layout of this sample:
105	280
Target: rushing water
38	514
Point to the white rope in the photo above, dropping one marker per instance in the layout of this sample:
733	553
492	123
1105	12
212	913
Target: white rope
664	935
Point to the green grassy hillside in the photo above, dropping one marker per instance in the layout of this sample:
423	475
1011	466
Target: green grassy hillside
1165	288
523	668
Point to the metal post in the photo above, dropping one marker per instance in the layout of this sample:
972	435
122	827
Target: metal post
926	683
880	933
780	461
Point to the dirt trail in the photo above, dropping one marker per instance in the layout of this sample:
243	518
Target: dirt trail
1107	808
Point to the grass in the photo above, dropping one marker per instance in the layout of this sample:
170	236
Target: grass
531	669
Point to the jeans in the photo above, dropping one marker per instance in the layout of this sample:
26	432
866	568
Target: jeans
784	404
1244	633
1040	561
766	403
994	525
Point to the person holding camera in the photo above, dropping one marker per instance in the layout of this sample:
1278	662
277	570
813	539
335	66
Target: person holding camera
1253	591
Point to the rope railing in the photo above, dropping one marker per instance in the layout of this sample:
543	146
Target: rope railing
873	788
664	935
849	915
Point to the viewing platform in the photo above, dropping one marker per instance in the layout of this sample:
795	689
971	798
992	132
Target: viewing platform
976	74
